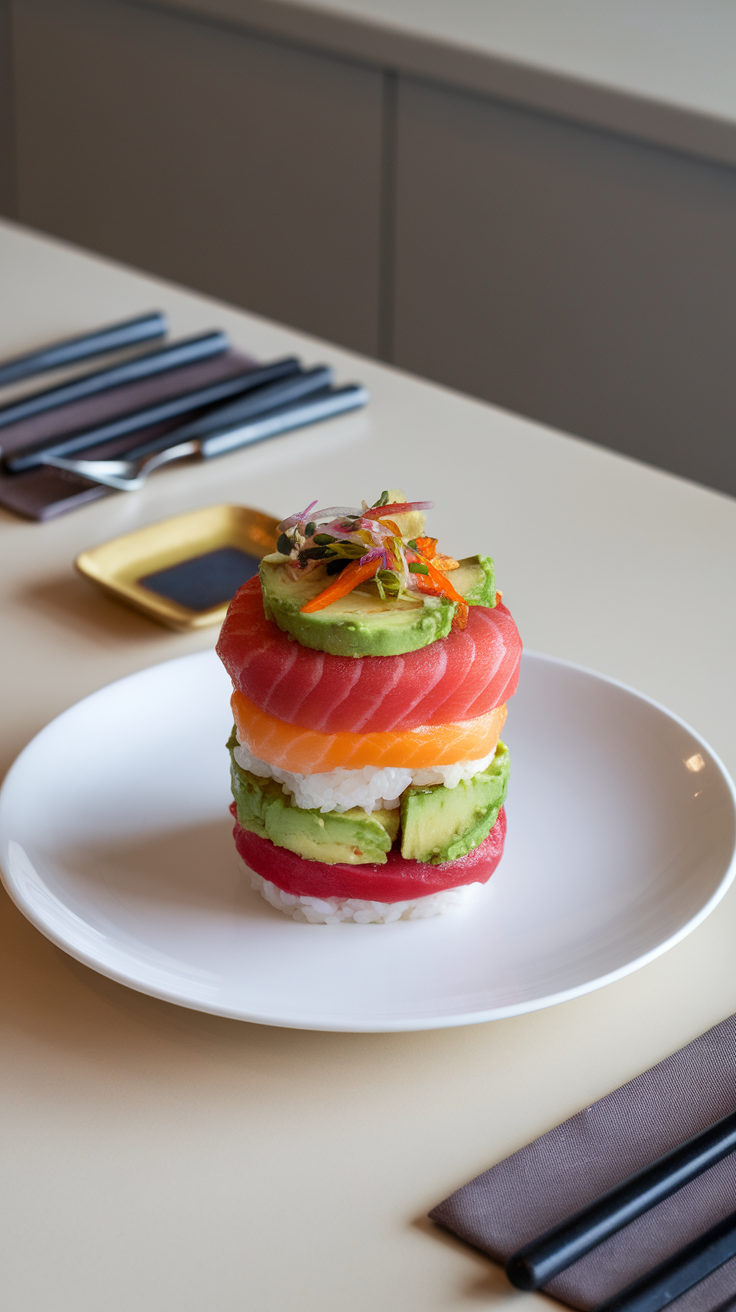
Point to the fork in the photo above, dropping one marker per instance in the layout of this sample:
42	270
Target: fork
130	474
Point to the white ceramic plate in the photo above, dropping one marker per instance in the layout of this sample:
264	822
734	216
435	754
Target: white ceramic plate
115	841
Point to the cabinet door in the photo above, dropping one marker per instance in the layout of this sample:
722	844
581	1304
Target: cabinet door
583	279
243	167
7	115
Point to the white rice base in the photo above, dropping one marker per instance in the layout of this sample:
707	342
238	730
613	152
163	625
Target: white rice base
338	910
375	788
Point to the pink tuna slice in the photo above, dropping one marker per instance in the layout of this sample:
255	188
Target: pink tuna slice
459	677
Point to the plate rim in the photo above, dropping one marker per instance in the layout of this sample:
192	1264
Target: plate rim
367	1025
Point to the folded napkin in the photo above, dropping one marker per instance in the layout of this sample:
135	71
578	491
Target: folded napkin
45	493
568	1167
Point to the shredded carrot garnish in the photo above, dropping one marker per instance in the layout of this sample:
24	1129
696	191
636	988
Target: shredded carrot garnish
439	583
427	547
349	578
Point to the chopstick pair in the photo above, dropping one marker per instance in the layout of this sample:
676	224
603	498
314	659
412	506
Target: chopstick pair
190	402
545	1257
269	400
130	472
191	349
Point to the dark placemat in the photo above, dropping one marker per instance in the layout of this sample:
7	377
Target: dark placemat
554	1176
46	493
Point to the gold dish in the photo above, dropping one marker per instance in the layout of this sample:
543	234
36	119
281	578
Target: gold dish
204	546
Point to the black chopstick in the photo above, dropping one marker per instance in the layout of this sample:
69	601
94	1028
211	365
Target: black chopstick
184	403
72	350
278	397
187	351
678	1273
325	404
534	1265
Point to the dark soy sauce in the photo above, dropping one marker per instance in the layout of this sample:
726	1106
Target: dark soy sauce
203	581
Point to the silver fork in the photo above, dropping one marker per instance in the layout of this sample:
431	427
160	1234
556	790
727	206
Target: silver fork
127	475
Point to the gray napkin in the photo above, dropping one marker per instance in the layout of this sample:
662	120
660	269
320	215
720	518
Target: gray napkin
569	1166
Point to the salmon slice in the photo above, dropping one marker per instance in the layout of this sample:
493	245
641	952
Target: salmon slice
305	751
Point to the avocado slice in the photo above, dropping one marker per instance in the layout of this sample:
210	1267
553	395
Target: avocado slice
441	824
362	624
354	837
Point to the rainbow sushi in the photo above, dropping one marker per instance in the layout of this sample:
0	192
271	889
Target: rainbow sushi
370	679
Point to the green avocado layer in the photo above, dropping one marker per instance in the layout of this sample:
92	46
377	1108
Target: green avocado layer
362	624
437	823
354	837
441	824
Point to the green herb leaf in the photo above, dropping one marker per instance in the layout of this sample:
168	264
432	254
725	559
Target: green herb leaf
382	501
390	581
324	539
416	568
284	545
310	529
413	544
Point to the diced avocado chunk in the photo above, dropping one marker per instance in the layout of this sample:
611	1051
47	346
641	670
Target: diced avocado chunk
441	824
354	837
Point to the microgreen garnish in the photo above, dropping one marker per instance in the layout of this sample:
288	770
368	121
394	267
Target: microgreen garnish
370	540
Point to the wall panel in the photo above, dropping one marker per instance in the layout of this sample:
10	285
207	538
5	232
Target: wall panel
243	167
583	279
7	113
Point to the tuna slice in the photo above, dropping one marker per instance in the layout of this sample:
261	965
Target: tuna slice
460	677
396	881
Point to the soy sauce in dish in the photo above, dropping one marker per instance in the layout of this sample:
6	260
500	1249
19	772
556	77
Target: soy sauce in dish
203	581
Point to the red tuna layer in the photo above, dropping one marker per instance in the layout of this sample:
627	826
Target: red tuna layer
397	881
456	678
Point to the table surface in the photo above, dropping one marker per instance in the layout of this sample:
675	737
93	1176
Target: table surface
171	1161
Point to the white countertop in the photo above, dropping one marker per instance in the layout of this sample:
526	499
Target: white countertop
169	1161
662	70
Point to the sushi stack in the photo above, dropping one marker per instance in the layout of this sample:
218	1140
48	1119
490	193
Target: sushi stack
371	674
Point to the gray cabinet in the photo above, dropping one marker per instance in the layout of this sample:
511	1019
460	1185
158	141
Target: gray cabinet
8	202
584	279
244	167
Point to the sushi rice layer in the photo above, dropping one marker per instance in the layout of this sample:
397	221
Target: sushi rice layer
374	787
337	910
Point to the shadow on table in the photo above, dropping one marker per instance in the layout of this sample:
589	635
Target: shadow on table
73	602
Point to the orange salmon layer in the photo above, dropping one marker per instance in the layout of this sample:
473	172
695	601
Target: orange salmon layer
306	751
